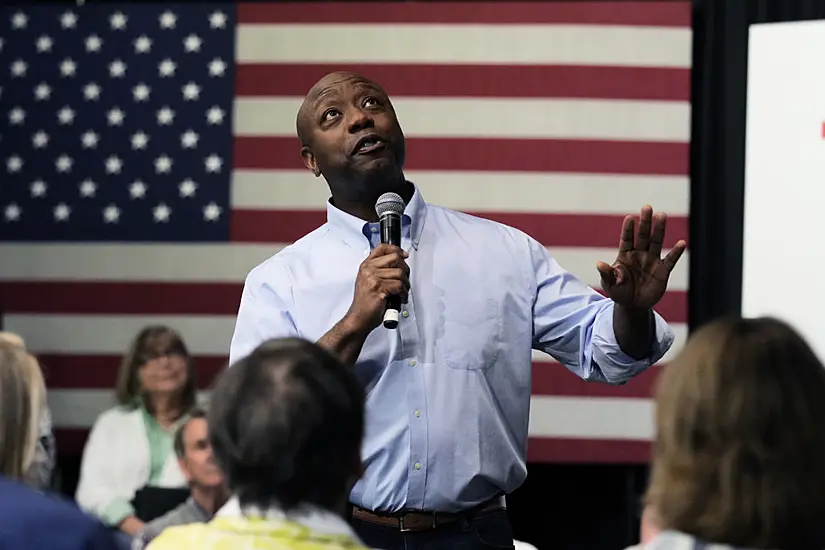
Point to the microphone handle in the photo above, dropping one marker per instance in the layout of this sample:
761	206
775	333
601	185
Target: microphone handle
391	234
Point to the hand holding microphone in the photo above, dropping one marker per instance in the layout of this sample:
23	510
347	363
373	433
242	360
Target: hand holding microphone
383	275
383	279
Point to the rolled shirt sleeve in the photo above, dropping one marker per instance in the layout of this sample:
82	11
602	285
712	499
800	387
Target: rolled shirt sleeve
610	362
574	324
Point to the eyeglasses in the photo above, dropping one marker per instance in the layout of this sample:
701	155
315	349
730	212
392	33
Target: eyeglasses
149	357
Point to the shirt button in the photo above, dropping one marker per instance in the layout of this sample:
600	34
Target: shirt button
405	313
418	414
415	243
374	229
417	465
412	363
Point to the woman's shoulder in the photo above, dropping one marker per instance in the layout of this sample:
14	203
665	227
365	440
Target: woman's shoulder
117	414
22	509
674	540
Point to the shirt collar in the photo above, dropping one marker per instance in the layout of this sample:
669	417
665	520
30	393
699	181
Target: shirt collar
354	230
192	503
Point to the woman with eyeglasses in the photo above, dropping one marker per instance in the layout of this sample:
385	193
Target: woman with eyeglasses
129	473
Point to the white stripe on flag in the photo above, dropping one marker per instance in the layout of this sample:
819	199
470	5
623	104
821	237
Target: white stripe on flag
591	418
112	334
517	192
667	121
467	44
565	417
211	262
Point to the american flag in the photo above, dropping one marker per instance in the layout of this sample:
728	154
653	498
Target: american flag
150	161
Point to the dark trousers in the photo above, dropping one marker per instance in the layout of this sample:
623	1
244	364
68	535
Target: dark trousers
483	531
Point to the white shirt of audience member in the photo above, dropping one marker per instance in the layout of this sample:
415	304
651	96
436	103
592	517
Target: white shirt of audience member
116	462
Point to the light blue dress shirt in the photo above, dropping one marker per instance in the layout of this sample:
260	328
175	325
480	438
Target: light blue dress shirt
448	392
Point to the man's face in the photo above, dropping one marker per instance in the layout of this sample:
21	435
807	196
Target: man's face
197	463
352	131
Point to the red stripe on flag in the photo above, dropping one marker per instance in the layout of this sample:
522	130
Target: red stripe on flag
121	298
658	14
70	442
99	372
555	379
136	298
588	451
491	154
643	83
593	230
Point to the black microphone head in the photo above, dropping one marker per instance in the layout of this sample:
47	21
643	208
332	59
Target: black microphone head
389	203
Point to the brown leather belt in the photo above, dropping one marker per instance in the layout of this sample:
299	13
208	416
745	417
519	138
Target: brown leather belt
424	521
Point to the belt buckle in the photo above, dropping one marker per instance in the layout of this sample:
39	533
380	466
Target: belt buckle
403	529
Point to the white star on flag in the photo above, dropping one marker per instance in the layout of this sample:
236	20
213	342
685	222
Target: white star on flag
88	188
211	212
93	43
111	214
162	213
137	190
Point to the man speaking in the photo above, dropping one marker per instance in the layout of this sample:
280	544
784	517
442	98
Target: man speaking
448	390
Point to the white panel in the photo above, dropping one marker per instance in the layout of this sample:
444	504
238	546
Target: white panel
784	175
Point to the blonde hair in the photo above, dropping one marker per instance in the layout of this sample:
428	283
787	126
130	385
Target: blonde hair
22	396
12	339
739	455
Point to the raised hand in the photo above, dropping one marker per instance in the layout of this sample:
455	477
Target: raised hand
638	278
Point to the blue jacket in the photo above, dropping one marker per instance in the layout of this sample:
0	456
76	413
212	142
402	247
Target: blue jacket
33	521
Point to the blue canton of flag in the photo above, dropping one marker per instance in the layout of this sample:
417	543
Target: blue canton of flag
116	122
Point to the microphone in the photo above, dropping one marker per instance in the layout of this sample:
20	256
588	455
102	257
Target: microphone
390	208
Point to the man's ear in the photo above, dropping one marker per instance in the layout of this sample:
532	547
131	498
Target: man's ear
309	160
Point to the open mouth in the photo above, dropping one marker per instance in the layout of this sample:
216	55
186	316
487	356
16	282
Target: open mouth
368	144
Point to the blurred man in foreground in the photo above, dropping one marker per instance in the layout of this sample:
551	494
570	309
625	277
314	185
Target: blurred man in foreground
286	425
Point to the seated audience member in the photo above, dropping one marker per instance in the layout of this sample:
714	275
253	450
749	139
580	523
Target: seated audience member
40	472
129	473
28	519
206	482
739	454
286	425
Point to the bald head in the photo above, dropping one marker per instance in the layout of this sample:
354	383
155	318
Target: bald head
350	135
328	84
